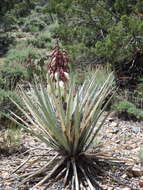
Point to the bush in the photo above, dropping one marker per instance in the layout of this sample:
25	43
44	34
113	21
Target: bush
21	53
33	23
10	139
5	41
139	89
80	75
78	52
53	28
23	57
127	110
10	75
42	40
6	105
9	22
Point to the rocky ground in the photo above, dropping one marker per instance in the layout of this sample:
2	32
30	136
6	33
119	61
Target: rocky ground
125	139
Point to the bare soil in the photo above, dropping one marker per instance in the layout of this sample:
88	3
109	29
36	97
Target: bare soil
125	137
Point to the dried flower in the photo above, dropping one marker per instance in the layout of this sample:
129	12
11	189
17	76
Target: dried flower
58	66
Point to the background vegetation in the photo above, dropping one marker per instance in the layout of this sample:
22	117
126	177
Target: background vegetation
96	34
106	34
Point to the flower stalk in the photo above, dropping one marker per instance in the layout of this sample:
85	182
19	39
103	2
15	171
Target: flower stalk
58	67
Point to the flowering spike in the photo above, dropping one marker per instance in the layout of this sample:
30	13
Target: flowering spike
58	66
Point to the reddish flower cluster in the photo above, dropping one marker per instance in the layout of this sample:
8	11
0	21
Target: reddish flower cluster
58	66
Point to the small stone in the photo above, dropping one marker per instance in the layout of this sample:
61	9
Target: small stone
114	124
115	131
137	171
124	176
112	116
110	188
136	129
117	141
110	119
141	183
126	188
117	188
104	187
129	172
134	171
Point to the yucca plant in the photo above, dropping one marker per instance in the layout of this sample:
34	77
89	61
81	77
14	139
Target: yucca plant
69	128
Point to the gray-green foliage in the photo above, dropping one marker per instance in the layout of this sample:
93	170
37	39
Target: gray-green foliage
21	53
6	105
35	22
128	110
10	75
105	29
6	39
12	71
139	89
12	136
42	40
22	58
123	39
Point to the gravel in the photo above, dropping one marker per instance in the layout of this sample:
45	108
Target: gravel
126	137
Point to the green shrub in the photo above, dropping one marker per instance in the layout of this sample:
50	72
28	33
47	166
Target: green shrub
11	74
77	51
10	139
23	59
42	40
80	75
34	23
139	89
5	41
53	28
21	53
128	110
6	105
12	136
10	22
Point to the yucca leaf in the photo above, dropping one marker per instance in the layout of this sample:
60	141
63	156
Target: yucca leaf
42	121
69	109
99	97
77	120
47	112
75	175
85	91
90	125
41	137
87	179
57	103
70	128
44	100
29	118
102	122
67	173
